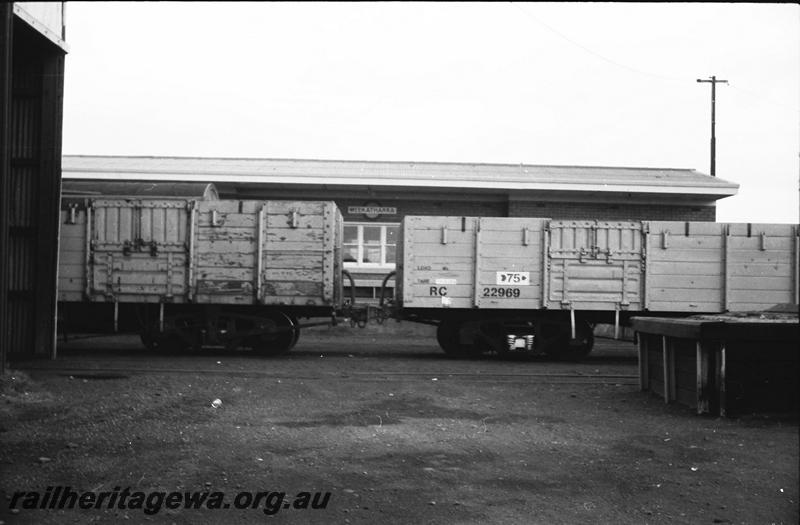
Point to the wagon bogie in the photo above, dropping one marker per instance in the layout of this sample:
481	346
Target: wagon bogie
267	332
514	334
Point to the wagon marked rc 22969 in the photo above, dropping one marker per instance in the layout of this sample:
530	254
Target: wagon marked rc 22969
535	284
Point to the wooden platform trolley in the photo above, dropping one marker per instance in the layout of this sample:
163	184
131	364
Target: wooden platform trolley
187	272
538	285
722	363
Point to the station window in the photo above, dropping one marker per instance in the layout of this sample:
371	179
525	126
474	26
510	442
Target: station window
369	245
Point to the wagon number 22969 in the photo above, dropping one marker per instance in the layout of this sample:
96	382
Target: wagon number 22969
501	292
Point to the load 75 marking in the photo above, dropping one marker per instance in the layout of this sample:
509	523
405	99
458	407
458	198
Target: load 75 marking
513	278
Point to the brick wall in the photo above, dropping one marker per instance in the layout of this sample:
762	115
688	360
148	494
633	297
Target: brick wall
426	207
455	204
621	212
553	210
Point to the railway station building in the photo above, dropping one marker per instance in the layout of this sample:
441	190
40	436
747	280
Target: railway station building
374	196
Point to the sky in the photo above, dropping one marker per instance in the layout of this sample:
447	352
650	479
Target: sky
589	84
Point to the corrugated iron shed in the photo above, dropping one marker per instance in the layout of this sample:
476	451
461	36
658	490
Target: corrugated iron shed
31	99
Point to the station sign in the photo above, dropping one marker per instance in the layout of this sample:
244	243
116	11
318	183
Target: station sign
372	212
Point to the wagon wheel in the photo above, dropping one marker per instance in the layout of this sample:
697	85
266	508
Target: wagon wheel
228	329
491	337
280	334
296	331
180	334
572	349
448	334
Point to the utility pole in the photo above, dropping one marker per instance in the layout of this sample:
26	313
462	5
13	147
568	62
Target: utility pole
714	81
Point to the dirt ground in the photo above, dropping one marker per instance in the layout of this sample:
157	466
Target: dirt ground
394	430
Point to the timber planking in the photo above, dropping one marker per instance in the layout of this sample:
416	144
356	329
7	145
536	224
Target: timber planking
210	251
456	262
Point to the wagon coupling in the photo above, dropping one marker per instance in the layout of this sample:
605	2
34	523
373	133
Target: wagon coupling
359	315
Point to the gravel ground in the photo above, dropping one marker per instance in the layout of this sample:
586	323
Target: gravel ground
392	429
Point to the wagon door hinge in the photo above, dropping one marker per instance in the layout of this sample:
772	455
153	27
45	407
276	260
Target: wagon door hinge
72	213
216	219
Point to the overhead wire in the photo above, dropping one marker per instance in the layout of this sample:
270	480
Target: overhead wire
592	52
561	35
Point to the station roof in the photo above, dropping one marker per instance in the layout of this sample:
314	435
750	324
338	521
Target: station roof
400	175
92	188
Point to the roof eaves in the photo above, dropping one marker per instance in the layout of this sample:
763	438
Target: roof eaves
377	162
711	189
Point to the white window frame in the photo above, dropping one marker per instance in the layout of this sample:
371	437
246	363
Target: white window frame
382	264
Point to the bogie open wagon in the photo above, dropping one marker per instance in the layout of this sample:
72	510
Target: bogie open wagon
193	272
539	285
